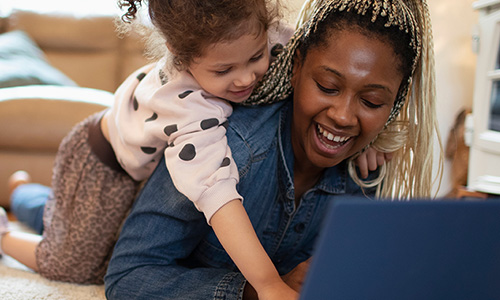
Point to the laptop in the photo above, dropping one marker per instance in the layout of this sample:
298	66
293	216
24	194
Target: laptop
419	249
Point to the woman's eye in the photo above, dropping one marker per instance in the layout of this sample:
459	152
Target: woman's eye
326	90
370	104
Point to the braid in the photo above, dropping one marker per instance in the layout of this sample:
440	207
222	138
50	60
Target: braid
412	164
412	121
307	11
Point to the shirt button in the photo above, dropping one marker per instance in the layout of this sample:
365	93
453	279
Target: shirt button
299	228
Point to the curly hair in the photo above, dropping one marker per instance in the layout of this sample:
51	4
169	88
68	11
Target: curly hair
189	26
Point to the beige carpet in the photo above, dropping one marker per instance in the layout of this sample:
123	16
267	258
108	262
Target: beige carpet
20	283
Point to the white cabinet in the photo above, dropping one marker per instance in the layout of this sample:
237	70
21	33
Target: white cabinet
484	160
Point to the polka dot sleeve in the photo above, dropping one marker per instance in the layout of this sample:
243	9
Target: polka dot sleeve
154	115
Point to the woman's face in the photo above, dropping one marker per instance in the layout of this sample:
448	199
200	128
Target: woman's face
343	95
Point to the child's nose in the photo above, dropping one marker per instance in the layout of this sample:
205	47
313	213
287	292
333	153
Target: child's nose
245	79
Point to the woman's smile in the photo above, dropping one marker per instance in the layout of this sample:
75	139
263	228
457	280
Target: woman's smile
332	140
328	143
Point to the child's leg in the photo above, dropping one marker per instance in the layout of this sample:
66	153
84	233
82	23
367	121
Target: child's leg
18	244
82	219
21	246
27	203
17	179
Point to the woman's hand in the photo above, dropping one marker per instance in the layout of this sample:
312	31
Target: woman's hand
370	160
278	291
295	278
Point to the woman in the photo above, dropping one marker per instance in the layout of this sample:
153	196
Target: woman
345	76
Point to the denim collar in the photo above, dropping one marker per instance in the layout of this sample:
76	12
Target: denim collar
333	180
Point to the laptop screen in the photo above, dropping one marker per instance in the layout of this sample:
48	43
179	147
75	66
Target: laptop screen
419	249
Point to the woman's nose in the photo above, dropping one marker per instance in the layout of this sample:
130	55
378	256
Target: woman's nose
245	79
343	111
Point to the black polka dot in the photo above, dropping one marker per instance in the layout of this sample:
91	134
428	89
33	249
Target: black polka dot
148	150
171	144
152	118
135	103
276	50
225	124
225	162
163	77
141	76
209	123
170	129
188	152
185	94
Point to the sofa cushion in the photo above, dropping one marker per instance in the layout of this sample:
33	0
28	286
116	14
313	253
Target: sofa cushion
23	63
36	118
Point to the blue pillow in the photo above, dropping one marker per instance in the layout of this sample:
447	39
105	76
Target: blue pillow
22	62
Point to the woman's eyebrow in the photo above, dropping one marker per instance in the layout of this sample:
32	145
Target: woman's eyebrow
330	70
379	86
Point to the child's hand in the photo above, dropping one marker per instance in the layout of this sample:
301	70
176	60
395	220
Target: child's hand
370	160
277	291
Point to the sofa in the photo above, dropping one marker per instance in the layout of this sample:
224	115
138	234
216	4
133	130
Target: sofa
65	68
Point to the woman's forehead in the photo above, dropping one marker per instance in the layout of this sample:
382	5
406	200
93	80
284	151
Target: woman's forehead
352	55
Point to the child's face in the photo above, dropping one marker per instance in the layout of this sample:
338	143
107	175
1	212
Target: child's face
230	70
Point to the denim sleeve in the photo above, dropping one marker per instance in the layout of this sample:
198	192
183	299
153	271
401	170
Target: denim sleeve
162	230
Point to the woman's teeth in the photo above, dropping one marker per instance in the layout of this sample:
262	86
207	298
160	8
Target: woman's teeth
329	136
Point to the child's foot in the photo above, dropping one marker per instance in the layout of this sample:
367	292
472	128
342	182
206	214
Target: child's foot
17	179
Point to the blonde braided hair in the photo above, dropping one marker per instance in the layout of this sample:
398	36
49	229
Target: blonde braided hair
413	161
410	127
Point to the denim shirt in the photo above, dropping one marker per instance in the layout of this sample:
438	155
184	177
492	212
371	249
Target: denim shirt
166	249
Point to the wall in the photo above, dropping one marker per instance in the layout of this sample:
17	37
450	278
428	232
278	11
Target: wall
453	24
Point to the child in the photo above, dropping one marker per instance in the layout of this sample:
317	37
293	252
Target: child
177	108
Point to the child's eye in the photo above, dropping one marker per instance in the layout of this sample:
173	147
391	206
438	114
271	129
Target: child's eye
222	72
256	58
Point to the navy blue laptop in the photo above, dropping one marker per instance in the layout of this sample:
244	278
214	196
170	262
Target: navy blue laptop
421	250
